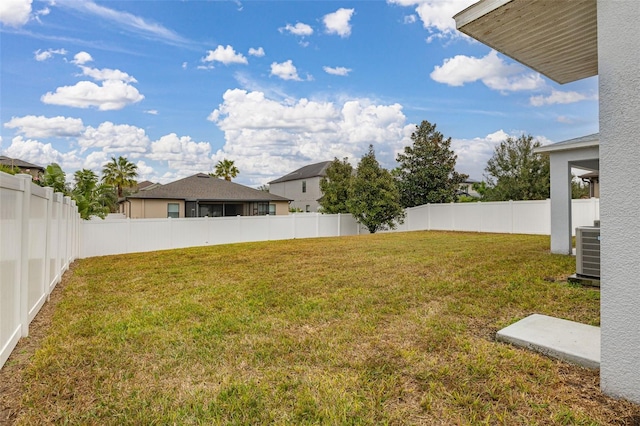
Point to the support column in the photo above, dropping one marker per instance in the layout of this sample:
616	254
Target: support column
560	204
619	90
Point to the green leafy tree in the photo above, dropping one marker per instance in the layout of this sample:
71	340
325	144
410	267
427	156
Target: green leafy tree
9	169
515	172
55	178
374	200
120	174
225	169
427	170
335	187
480	188
264	188
92	198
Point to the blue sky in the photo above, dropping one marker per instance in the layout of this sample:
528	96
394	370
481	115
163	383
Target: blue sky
176	86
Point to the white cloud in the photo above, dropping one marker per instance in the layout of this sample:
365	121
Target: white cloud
491	70
15	13
113	138
259	52
269	138
182	153
145	172
81	58
285	70
298	29
114	92
184	65
338	22
107	74
560	97
40	55
151	111
473	154
40	153
127	21
226	55
437	15
110	95
337	70
410	19
44	127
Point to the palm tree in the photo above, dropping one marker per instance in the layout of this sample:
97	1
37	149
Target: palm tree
92	198
120	173
226	169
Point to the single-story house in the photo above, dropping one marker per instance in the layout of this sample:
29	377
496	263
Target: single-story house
302	186
568	41
201	195
36	172
582	153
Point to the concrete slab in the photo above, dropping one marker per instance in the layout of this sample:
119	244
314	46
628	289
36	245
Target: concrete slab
558	338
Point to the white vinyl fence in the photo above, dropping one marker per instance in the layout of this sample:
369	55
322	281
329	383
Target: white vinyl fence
104	237
39	232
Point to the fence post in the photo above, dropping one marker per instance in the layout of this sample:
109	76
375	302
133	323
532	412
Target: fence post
24	254
47	251
339	225
511	216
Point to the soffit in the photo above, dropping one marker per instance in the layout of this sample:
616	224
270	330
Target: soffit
557	38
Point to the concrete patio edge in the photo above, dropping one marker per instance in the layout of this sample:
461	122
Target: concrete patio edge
558	338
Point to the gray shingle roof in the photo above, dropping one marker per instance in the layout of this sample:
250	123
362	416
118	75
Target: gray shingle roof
18	163
207	188
306	172
581	142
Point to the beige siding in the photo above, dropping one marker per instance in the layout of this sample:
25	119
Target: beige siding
282	207
149	209
293	190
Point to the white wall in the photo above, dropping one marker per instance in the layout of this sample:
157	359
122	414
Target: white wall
39	239
619	94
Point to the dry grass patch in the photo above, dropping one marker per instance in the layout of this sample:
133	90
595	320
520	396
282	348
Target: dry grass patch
377	329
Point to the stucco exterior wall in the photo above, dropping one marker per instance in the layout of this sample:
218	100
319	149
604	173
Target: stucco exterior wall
619	81
151	209
293	190
282	207
560	174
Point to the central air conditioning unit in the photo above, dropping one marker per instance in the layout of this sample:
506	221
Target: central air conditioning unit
588	251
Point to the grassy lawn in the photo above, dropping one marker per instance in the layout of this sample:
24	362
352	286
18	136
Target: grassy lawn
378	329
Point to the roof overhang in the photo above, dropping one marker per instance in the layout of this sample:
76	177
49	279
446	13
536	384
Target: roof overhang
557	38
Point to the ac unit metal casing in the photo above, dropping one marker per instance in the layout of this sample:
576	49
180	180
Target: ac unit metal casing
588	251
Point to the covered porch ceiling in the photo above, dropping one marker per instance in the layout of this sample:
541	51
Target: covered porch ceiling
557	38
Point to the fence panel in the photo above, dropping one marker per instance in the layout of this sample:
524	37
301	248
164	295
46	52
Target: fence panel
584	212
531	217
38	288
11	201
31	260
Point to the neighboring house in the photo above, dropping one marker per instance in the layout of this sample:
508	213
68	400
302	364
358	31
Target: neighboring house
302	186
593	179
145	185
201	195
35	171
466	188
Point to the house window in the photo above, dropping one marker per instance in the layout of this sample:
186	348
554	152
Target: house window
304	186
272	209
173	210
307	208
263	209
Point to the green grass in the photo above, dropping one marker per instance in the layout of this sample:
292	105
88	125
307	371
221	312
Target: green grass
378	329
